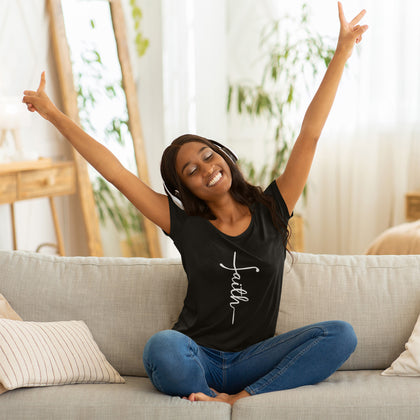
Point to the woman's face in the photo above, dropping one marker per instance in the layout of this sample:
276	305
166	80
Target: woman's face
203	171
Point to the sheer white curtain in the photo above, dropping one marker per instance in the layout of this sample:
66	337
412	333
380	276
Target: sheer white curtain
369	154
194	71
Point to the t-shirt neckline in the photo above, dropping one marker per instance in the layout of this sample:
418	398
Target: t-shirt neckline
244	233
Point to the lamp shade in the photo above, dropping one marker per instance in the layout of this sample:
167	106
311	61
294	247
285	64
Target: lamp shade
11	113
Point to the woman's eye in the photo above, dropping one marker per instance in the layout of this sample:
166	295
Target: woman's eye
192	171
208	156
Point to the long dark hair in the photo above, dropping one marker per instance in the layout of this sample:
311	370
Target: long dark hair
242	191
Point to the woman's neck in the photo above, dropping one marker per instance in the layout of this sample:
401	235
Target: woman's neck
231	217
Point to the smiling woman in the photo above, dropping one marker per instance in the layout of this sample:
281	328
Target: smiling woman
224	218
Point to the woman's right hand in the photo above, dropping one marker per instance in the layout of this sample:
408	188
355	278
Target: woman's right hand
39	101
350	32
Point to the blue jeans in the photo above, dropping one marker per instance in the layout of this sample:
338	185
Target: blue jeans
178	366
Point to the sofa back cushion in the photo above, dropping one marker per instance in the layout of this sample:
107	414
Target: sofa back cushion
124	301
378	295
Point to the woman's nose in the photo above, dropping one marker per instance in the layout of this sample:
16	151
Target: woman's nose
208	168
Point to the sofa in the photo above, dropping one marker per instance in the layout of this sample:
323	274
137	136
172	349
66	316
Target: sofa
124	301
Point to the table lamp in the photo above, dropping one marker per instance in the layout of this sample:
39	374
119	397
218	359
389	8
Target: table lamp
11	115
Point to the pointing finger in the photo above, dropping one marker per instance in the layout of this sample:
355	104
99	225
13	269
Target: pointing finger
42	82
341	12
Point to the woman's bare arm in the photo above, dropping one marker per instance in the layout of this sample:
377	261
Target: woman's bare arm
292	181
151	204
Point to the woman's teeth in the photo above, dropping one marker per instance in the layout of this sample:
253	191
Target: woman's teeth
215	179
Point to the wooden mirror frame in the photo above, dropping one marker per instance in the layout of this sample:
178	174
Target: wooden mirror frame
69	97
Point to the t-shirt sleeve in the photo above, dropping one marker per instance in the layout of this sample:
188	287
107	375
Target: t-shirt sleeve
177	217
273	190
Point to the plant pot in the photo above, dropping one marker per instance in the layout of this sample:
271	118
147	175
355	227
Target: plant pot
137	247
296	240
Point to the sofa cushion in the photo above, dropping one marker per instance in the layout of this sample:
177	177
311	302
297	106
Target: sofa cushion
345	395
123	301
136	399
379	295
51	353
408	363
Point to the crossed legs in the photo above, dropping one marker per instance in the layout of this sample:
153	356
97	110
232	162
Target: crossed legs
178	366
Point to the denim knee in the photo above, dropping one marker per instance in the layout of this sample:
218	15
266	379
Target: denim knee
346	337
160	346
171	362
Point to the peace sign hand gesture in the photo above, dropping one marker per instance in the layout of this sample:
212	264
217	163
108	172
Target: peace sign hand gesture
350	32
39	101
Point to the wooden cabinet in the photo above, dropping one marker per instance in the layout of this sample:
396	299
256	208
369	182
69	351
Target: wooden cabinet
8	188
412	205
20	184
34	179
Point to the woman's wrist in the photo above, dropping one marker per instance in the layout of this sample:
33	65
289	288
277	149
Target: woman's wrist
54	116
342	54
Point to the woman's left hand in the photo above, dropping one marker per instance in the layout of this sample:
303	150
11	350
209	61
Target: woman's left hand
350	32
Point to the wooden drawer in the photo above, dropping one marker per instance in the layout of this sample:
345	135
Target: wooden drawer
8	188
412	201
56	180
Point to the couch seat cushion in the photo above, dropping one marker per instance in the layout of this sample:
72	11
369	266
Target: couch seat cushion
136	399
345	395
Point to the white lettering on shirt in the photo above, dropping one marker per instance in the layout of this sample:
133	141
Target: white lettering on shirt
237	292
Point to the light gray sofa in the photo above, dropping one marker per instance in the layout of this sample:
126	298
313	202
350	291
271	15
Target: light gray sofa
125	301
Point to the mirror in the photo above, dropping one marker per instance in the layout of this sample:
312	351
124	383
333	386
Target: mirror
89	40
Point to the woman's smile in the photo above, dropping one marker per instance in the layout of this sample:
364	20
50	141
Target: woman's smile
215	178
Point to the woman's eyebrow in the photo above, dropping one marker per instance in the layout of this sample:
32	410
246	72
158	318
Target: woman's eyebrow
204	147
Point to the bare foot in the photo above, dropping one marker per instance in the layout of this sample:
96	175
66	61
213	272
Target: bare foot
220	397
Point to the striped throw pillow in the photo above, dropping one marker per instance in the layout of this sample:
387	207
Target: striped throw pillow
51	353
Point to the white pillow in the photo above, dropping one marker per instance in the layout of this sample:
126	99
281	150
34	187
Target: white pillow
408	363
51	353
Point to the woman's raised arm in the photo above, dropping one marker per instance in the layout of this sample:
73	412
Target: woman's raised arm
292	181
151	204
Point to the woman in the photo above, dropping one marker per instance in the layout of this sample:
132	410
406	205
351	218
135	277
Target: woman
232	239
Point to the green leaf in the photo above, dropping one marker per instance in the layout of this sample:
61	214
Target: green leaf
110	90
274	73
141	46
290	95
229	98
241	98
140	41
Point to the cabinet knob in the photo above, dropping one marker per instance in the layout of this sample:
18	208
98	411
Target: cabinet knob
49	181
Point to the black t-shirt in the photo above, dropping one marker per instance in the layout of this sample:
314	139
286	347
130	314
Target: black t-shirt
234	282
